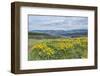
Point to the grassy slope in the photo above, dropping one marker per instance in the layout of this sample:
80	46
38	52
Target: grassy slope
79	49
41	36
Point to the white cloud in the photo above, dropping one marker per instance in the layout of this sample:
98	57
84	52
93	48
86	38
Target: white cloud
57	23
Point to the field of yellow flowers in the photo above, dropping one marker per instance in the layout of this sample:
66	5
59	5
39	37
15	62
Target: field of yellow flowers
62	48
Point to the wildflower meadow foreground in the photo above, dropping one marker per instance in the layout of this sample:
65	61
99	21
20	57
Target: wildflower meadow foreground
62	48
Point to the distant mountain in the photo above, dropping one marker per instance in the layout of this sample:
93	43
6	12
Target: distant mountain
62	33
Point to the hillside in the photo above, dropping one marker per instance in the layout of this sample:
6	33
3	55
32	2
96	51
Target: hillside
57	33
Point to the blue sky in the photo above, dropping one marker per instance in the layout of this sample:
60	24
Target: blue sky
40	22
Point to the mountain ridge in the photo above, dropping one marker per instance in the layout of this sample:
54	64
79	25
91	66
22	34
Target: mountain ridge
64	33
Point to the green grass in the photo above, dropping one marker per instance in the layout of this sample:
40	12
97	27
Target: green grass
62	48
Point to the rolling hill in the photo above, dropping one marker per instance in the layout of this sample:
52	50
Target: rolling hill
57	33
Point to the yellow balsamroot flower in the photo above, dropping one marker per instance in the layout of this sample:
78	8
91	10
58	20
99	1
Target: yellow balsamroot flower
44	48
84	44
65	45
39	46
49	51
60	45
81	42
70	45
77	41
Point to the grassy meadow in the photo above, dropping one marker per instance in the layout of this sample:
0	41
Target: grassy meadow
57	48
53	37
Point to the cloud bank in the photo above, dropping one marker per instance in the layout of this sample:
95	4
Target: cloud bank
40	22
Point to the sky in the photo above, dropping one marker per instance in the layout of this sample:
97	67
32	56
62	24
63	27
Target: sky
42	22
